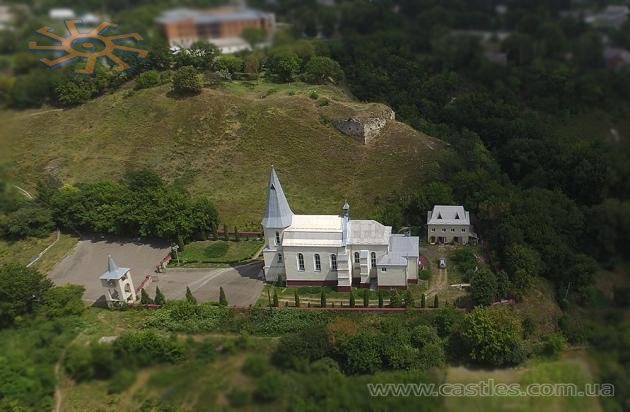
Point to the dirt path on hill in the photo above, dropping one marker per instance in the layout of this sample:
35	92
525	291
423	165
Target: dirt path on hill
437	284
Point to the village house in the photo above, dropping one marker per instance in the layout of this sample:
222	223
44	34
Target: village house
333	250
222	26
449	224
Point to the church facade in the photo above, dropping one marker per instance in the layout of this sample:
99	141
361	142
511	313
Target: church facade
333	250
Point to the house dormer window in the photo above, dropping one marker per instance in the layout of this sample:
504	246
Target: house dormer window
277	238
300	262
357	259
333	261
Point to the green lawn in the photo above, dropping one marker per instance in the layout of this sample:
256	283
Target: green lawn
219	251
23	251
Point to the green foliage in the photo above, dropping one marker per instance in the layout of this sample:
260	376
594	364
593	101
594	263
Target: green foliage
186	81
78	363
322	299
423	335
238	398
160	299
121	381
145	299
22	291
255	366
30	220
283	65
308	345
395	299
269	387
189	296
200	56
483	287
275	299
491	336
553	345
380	298
360	354
352	301
182	316
366	298
321	69
150	78
253	35
222	299
409	300
147	348
296	297
229	62
62	301
445	320
423	301
436	301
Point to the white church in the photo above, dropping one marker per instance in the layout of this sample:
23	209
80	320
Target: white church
333	250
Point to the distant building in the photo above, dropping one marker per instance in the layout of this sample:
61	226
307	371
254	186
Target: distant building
613	16
118	284
616	57
333	249
61	14
448	224
6	17
221	26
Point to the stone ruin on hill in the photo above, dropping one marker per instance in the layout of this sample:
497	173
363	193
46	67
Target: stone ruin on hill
365	124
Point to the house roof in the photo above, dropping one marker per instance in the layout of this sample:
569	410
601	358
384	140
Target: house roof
401	247
217	15
368	232
278	213
449	215
113	271
392	259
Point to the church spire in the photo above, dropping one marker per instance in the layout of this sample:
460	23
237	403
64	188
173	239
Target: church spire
278	214
112	267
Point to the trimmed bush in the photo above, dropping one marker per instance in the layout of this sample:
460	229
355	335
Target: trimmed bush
186	81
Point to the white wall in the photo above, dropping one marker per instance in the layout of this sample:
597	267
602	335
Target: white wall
394	276
309	273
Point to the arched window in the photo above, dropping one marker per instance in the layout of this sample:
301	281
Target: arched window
333	261
279	257
300	262
373	259
318	263
277	238
357	259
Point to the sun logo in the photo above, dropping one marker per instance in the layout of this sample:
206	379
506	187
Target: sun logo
90	46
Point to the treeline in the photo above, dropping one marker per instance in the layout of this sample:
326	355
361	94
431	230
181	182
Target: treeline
140	205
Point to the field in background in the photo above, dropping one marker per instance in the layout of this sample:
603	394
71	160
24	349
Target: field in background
221	144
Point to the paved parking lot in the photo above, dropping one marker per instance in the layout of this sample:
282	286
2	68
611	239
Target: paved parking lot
88	260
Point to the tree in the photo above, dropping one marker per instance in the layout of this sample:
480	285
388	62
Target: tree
352	302
160	299
283	65
22	291
503	284
322	298
521	284
225	233
321	69
409	301
200	55
483	288
186	81
222	299
253	35
380	298
436	301
189	296
71	91
395	301
296	296
491	336
61	301
31	220
423	301
275	298
145	299
521	257
236	234
366	298
230	63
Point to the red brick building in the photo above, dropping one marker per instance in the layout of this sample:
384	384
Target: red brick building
221	26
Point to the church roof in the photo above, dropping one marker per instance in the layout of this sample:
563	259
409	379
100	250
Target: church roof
113	271
401	247
314	230
278	213
450	215
368	232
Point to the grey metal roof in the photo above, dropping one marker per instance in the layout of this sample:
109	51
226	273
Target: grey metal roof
210	16
404	245
278	213
392	259
113	271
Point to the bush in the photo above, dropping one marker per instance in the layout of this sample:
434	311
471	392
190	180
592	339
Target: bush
147	348
360	354
321	69
483	288
21	291
269	387
283	65
63	301
30	220
230	63
255	366
148	79
238	398
554	344
186	81
325	366
422	335
297	349
207	351
78	363
121	381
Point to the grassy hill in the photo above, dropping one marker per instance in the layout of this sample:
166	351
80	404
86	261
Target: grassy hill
222	144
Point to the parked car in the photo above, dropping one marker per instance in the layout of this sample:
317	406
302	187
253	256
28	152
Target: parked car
442	263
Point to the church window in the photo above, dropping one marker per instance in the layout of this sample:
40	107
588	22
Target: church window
318	263
373	259
277	238
356	257
301	262
333	261
383	269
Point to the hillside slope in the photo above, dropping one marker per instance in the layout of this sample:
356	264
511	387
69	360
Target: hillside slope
222	144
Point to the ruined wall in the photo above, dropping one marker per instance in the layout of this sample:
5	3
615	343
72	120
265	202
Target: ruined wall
365	126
